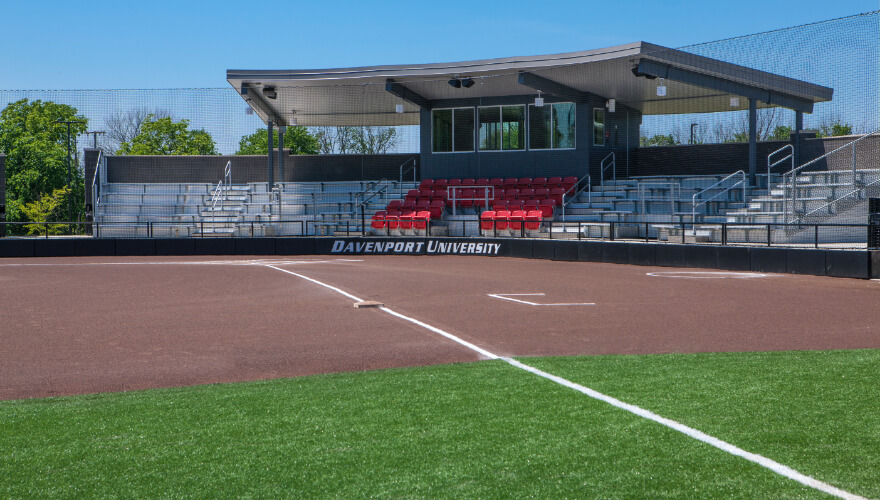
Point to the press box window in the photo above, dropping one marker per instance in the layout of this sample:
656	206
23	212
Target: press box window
598	127
552	126
452	130
502	128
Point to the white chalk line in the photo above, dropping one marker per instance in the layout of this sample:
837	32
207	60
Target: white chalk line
761	460
704	275
507	296
254	262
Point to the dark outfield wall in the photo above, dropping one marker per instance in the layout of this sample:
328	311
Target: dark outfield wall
839	263
703	159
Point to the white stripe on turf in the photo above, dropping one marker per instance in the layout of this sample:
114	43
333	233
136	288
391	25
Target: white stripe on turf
774	466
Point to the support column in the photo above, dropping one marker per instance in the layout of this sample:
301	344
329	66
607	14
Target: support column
753	140
798	126
271	176
281	130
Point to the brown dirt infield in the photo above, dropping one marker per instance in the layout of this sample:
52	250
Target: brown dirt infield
72	329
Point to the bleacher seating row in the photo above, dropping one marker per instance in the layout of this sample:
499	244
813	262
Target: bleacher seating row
393	222
511	221
498	183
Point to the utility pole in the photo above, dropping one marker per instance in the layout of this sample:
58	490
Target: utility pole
69	197
94	135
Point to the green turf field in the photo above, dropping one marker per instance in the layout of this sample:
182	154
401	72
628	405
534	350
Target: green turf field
470	430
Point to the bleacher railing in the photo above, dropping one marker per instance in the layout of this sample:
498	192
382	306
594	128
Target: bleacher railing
579	187
742	182
610	161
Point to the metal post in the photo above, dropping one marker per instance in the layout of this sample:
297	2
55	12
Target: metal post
798	126
753	140
854	164
271	178
281	130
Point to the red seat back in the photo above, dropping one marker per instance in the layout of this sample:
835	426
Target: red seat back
426	184
531	204
499	205
539	182
533	220
510	194
436	209
454	182
482	182
468	182
542	193
409	205
524	183
526	194
487	219
516	205
420	219
547	207
468	197
556	194
568	182
394	204
501	219
553	182
439	184
510	183
422	204
412	194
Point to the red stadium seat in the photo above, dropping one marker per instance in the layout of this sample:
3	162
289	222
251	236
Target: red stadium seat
516	220
406	220
439	184
454	182
409	205
426	193
394	205
539	182
556	194
510	183
482	182
439	194
524	183
569	182
412	195
516	204
542	193
436	209
378	220
526	194
420	221
533	220
501	220
392	221
422	204
510	194
487	220
499	205
531	205
467	196
468	182
426	184
547	207
497	182
554	182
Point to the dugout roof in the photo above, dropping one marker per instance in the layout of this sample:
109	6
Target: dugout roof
628	73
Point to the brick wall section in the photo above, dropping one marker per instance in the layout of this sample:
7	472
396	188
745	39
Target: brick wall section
728	158
209	169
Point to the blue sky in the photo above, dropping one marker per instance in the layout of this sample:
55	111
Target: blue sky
164	44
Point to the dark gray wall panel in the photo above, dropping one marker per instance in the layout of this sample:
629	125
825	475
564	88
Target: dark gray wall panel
175	246
734	258
53	247
215	246
135	247
670	255
543	249
590	251
255	246
16	248
875	265
95	247
294	246
806	261
565	250
615	253
846	264
769	260
516	248
701	256
643	254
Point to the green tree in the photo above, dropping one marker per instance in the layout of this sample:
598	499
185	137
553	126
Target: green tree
50	207
297	139
658	140
164	136
835	129
780	133
36	149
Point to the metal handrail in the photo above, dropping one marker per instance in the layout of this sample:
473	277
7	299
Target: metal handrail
97	179
832	202
604	167
777	162
227	177
488	194
789	185
694	203
413	168
588	187
672	186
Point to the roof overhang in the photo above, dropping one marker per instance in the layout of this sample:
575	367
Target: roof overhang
369	95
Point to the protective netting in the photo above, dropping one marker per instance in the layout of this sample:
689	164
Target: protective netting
656	140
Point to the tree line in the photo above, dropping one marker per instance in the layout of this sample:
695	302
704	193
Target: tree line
34	140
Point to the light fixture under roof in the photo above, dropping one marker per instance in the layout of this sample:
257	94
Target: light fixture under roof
467	83
398	108
455	82
539	101
611	105
661	89
734	102
292	120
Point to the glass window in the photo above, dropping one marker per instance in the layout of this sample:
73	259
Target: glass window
598	127
502	128
464	129
552	126
563	125
452	130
